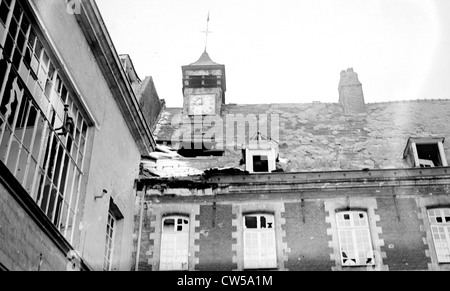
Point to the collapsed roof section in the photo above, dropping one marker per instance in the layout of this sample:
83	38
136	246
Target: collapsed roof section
166	163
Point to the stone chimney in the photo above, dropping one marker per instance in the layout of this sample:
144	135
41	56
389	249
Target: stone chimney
351	95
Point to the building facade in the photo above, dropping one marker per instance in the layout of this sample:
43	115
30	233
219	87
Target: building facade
294	187
72	135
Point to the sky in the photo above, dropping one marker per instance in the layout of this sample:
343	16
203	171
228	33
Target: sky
289	51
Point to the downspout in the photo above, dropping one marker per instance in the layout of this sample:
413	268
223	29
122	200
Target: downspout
136	267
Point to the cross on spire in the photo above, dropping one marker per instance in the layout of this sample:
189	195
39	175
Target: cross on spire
206	32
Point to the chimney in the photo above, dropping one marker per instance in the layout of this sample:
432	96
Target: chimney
351	95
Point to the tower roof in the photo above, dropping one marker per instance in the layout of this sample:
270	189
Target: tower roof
204	60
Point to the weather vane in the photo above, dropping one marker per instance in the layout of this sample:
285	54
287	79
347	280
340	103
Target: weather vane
206	32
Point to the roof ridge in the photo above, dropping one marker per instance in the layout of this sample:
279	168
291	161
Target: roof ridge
325	103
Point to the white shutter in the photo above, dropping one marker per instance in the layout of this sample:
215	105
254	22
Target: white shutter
175	247
251	250
260	245
440	230
354	239
268	249
168	246
182	251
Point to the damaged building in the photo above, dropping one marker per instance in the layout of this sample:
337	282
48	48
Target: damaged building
97	174
319	186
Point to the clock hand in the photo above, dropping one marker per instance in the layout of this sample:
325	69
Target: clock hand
198	101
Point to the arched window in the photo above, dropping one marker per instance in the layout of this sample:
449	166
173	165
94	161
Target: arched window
440	229
259	242
354	239
174	243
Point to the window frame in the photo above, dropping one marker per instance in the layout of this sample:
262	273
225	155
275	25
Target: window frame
251	153
411	152
444	229
353	230
176	236
111	230
51	167
114	246
263	163
271	263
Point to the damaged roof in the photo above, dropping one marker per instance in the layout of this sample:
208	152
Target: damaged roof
321	137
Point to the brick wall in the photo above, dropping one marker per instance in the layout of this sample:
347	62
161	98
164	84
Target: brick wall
215	238
404	246
306	236
22	241
399	238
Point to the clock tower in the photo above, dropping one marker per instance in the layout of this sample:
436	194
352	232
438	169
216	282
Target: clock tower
204	87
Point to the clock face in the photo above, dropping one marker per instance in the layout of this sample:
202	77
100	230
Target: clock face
202	104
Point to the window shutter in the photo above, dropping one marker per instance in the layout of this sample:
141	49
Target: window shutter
251	250
268	249
354	239
260	244
175	246
440	230
182	251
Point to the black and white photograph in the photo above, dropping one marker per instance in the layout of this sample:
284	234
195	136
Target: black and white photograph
205	137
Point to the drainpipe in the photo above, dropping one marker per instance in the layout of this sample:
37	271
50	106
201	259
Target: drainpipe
140	228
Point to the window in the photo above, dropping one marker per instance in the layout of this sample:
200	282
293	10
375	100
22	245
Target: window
210	81
109	249
260	164
440	230
202	81
32	99
260	161
354	239
174	243
426	152
195	81
259	242
113	229
428	155
5	7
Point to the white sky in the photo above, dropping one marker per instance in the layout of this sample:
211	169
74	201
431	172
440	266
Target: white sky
289	51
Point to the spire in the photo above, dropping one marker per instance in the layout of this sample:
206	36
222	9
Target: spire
206	32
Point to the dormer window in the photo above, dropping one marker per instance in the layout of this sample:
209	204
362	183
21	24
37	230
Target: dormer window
260	161
426	152
261	154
